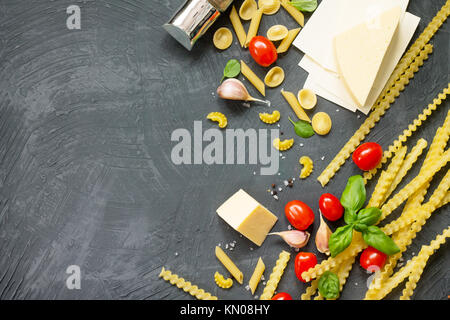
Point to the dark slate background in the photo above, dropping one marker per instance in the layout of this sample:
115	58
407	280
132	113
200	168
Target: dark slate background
86	176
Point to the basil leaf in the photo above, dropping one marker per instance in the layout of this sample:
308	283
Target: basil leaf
369	216
354	194
340	239
376	238
360	227
232	69
304	5
302	128
349	216
329	285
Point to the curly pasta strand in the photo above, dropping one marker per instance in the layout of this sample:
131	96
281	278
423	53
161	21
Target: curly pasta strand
407	67
275	276
186	286
311	290
408	132
386	179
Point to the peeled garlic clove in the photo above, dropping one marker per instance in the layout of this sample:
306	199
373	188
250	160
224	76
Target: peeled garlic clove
322	237
294	238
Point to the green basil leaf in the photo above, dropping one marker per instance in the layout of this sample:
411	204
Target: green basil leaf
376	238
304	5
369	216
232	69
340	239
354	194
329	285
349	216
302	128
360	227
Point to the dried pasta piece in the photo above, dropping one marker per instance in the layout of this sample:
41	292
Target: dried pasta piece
221	281
270	118
254	26
295	105
256	276
321	123
296	14
386	178
287	41
248	9
218	117
223	38
274	77
408	132
307	166
275	276
307	98
446	199
283	145
229	265
406	68
277	32
269	6
180	283
410	159
237	26
253	78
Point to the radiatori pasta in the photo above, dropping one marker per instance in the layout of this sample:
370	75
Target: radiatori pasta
270	118
221	281
186	286
283	145
275	276
307	166
218	117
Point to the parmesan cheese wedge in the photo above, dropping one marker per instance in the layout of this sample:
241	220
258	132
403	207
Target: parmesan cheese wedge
360	50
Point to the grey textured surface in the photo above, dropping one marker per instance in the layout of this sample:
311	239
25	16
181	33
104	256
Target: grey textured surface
85	171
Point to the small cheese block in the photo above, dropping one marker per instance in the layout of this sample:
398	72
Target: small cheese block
247	216
360	50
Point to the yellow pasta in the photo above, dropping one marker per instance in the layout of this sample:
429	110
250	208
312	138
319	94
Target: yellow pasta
269	6
274	77
386	179
237	26
410	159
295	105
275	276
287	41
180	283
222	282
321	123
283	145
270	118
229	265
253	78
256	276
254	26
296	14
219	117
307	166
277	32
248	9
408	132
223	38
311	290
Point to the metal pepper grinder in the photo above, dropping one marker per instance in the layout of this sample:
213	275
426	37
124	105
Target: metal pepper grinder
193	18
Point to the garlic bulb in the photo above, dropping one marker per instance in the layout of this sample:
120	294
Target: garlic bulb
294	238
323	235
233	89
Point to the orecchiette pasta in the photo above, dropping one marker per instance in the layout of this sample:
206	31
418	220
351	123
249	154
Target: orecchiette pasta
274	77
248	9
277	32
270	118
269	6
222	38
307	166
218	117
283	145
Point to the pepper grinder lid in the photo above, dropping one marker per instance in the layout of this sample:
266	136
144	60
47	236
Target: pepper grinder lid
192	20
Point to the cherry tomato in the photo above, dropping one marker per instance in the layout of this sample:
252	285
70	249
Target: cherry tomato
263	51
367	156
371	258
299	214
331	207
282	296
303	262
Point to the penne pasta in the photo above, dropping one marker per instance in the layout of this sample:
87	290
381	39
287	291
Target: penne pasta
253	78
237	26
287	41
254	26
296	14
256	276
229	265
295	105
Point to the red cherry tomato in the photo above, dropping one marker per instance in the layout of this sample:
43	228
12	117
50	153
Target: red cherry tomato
371	259
263	51
299	214
331	207
303	262
282	296
367	156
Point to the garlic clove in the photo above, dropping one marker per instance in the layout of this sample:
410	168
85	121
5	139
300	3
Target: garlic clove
323	235
233	89
294	238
